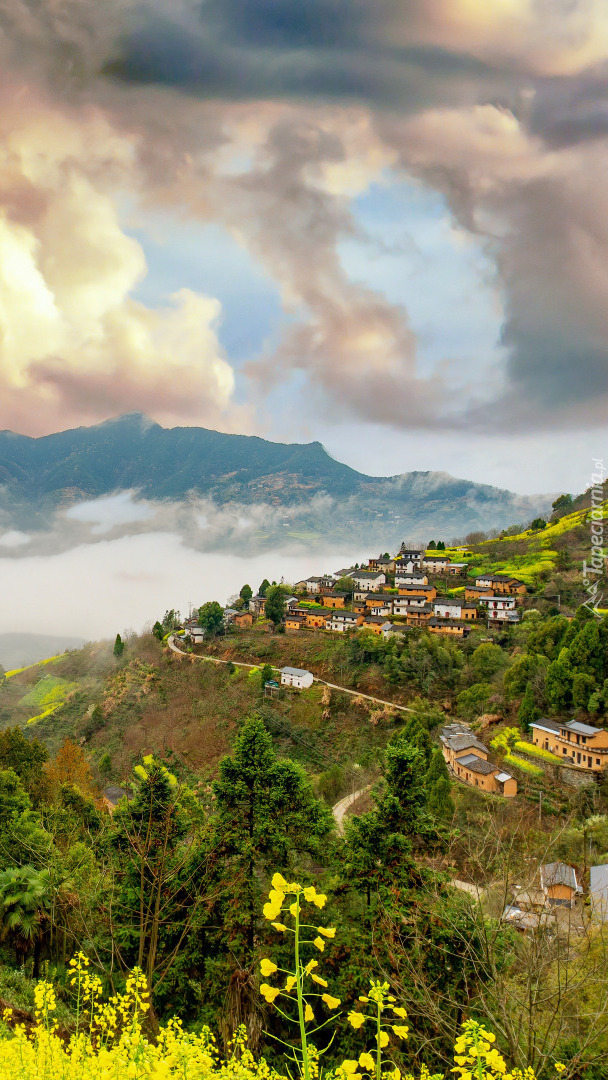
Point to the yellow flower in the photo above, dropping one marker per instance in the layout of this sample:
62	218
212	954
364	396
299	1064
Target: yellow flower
269	992
279	883
308	1013
318	941
320	900
382	1039
318	980
356	1019
401	1031
327	931
267	968
310	965
559	1067
363	998
276	897
294	909
366	1061
270	911
400	1012
309	893
290	983
349	1067
294	887
331	1002
280	927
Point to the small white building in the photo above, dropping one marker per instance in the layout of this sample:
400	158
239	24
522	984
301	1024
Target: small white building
447	609
340	622
410	577
298	677
498	603
371	580
411	602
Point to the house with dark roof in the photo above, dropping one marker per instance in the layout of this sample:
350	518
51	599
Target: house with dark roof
559	884
582	745
450	627
502	583
467	757
340	622
375	623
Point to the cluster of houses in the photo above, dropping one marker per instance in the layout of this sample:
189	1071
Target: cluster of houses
388	589
375	601
467	758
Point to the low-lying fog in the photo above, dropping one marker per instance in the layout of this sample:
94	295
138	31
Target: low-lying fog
97	571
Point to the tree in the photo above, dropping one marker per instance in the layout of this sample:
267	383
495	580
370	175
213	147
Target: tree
274	608
431	545
25	900
538	523
440	545
161	871
27	758
345	585
487	661
266	675
559	685
438	788
246	593
158	631
171	620
70	766
23	839
264	587
119	646
583	686
211	617
266	816
105	766
563	502
473	701
527	711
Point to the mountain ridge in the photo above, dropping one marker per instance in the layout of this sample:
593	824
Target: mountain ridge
132	452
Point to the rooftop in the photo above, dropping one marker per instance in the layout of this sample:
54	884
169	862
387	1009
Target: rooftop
462	741
294	671
476	764
557	873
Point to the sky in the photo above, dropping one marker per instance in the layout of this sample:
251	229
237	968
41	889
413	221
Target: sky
382	224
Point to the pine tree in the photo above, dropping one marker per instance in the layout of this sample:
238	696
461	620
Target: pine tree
438	788
527	711
119	646
266	816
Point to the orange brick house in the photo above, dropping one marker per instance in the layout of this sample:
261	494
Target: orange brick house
340	622
383	563
419	616
243	619
315	620
375	623
474	592
449	626
294	620
559	884
427	590
334	599
467	757
575	743
502	583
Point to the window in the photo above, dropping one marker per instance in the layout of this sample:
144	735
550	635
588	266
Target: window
597	761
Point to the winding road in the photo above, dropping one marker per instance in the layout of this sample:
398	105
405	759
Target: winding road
322	682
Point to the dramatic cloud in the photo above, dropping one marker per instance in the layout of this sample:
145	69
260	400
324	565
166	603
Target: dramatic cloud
269	117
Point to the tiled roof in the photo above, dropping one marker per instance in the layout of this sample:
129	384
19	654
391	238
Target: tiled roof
476	764
461	742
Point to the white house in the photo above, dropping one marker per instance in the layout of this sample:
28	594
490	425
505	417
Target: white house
413	601
498	603
371	580
393	630
435	562
315	584
298	677
342	621
448	609
410	577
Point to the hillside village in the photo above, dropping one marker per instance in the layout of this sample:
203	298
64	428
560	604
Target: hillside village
442	711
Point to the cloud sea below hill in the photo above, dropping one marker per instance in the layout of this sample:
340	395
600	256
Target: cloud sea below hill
115	564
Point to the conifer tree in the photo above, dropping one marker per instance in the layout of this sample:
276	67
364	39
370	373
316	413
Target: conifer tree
119	646
438	788
527	711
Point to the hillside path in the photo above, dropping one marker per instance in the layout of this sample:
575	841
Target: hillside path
322	682
343	805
